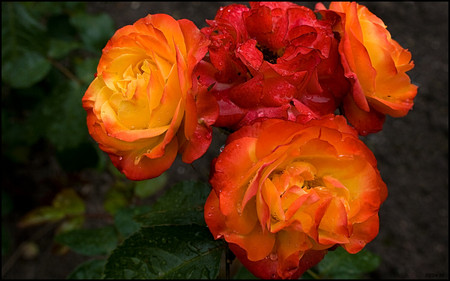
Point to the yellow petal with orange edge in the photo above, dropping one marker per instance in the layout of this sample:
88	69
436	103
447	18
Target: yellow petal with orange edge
290	242
273	200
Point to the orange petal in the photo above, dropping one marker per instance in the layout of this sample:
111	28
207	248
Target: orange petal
257	244
213	217
362	234
138	167
364	122
333	226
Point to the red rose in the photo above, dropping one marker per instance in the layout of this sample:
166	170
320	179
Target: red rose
272	60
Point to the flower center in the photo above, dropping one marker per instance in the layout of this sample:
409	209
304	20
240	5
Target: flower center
268	54
313	183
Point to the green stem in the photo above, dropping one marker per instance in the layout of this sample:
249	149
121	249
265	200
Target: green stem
64	70
313	274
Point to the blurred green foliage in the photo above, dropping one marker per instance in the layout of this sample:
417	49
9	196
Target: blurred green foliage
50	51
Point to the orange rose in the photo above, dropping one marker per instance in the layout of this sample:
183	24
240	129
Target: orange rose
284	193
376	65
144	107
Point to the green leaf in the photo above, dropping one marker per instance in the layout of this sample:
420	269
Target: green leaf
24	68
23	47
94	30
116	198
66	203
66	117
60	48
69	202
167	252
85	69
40	215
125	222
91	269
98	241
180	205
339	264
147	188
71	223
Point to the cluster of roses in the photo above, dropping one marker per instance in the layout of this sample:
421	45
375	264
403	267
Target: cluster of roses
293	180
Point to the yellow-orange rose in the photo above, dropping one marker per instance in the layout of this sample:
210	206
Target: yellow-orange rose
145	106
375	64
284	193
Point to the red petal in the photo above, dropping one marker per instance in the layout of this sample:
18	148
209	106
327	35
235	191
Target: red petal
268	268
250	55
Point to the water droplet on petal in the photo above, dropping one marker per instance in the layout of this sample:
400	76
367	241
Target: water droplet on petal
221	148
273	256
120	158
239	208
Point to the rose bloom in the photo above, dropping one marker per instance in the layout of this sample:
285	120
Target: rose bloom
375	64
272	60
284	193
144	106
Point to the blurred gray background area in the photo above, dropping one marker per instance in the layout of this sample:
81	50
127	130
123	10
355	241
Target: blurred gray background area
412	152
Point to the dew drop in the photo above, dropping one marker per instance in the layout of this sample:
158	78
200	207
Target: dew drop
192	247
120	158
239	208
273	256
136	160
221	148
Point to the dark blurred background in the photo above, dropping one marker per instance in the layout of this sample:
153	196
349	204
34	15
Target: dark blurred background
49	56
